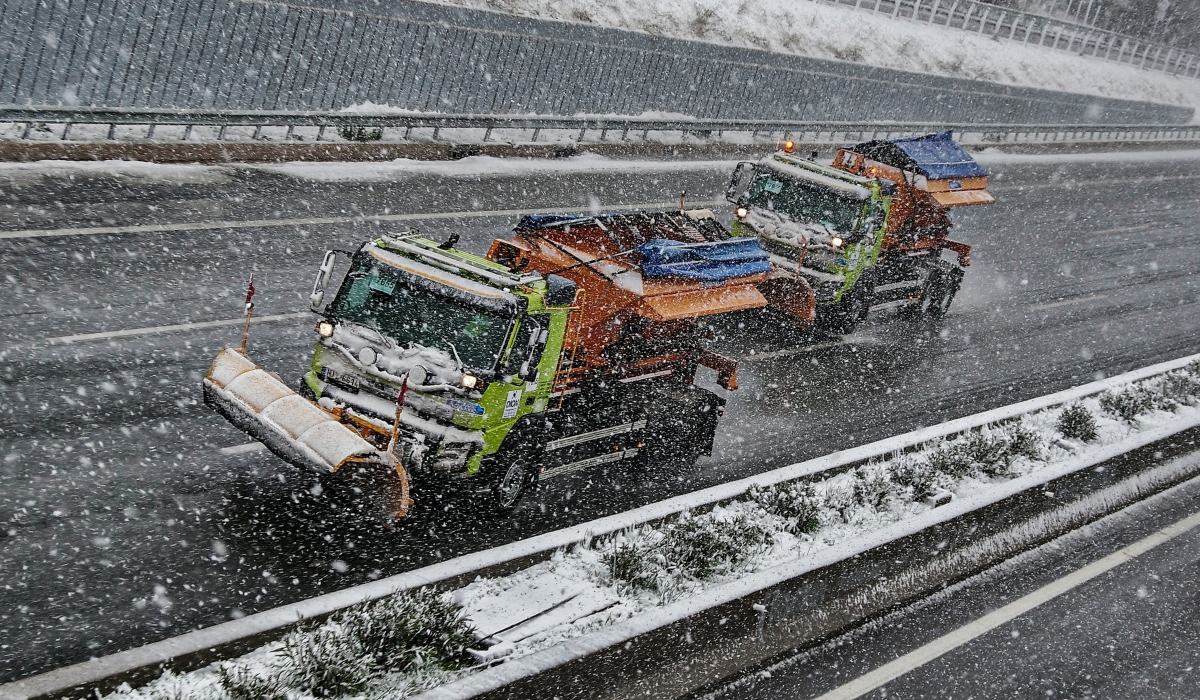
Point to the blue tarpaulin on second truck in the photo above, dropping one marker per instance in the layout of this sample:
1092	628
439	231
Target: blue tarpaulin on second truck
708	262
936	156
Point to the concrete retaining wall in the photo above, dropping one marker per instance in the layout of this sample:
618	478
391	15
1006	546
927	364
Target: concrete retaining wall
328	54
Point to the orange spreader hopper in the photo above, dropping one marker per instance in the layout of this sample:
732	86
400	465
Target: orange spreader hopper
645	279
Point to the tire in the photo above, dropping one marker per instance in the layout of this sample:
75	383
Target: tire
941	292
508	484
844	316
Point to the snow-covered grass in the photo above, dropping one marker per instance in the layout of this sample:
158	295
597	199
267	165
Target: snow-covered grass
482	166
842	33
417	639
131	170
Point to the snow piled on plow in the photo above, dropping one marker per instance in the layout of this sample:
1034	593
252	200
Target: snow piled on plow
656	570
843	33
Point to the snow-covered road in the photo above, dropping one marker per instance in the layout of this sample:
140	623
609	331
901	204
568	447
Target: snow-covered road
125	523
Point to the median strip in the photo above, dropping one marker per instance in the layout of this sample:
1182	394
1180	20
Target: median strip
639	598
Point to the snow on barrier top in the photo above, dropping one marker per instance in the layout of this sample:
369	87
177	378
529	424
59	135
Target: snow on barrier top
200	647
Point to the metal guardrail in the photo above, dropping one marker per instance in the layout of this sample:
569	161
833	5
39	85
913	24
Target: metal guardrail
1029	28
640	127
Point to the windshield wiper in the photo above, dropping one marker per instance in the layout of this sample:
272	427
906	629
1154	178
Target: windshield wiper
453	349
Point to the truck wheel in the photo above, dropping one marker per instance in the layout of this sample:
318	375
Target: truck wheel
941	290
844	316
509	484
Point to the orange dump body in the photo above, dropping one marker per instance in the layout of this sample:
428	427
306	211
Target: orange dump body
919	217
626	322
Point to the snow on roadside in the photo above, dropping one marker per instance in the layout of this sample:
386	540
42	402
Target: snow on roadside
843	33
997	156
634	573
475	167
482	166
134	170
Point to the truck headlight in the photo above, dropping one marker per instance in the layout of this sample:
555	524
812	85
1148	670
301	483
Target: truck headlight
325	329
469	381
835	242
742	212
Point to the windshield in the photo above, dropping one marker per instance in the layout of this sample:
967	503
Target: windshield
378	297
806	203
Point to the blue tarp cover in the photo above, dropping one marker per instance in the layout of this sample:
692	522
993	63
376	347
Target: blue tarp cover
709	262
939	157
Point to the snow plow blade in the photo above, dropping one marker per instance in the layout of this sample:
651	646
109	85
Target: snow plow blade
298	431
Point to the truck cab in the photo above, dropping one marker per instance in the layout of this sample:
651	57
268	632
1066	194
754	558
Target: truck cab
867	230
823	224
465	347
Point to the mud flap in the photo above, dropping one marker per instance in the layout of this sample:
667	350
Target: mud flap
791	297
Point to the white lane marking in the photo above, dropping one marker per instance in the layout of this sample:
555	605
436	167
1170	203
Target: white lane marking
1125	229
1067	302
322	221
150	330
949	642
785	352
241	449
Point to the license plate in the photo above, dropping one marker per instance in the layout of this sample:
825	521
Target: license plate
347	380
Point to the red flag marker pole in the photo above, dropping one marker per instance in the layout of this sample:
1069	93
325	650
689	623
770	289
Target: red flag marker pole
249	312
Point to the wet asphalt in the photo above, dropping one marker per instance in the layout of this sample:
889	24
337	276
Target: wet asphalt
1128	633
122	522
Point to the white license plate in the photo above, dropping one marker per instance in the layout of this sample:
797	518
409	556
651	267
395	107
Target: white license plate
340	378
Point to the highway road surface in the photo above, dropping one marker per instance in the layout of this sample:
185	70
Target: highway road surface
130	512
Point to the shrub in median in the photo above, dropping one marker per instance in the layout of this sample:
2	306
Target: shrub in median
1128	403
631	563
797	503
1178	389
359	133
871	487
402	632
703	547
915	474
951	460
1077	423
242	683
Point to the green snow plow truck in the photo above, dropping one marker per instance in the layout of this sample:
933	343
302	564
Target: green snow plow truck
869	230
455	370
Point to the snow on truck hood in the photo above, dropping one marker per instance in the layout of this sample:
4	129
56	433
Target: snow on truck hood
391	361
842	186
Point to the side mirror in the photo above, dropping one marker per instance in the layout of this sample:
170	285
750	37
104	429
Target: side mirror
322	281
743	174
533	355
560	291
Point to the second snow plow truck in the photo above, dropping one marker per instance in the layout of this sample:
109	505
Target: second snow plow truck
869	231
572	345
